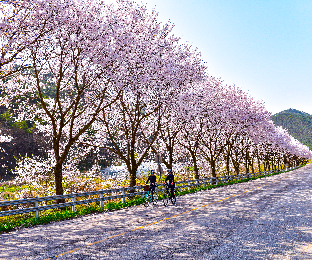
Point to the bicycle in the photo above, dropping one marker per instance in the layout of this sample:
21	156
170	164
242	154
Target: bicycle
149	197
167	196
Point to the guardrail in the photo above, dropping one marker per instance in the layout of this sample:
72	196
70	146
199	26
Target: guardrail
24	205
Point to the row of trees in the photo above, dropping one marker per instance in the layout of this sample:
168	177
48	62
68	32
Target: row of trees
91	75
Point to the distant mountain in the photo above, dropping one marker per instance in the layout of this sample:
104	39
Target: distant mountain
298	124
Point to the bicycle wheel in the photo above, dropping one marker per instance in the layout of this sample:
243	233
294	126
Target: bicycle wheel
165	199
173	199
146	200
154	200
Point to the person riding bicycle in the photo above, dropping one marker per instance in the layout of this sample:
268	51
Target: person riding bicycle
152	180
170	182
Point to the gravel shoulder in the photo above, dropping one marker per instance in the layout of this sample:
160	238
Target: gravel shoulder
268	218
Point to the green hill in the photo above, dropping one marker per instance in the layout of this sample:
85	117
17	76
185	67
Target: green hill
298	124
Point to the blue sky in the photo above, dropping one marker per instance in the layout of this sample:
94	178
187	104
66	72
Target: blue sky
263	47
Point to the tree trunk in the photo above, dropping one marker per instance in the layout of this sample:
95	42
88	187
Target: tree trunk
235	164
58	181
196	170
247	169
213	169
286	162
259	165
236	167
170	158
132	173
246	164
228	163
252	165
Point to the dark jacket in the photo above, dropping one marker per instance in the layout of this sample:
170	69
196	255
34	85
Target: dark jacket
152	179
170	179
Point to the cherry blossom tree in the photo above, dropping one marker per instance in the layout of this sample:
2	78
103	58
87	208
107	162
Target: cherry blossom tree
167	141
22	24
172	121
72	76
162	67
191	107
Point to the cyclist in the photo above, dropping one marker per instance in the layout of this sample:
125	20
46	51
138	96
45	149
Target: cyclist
170	182
152	180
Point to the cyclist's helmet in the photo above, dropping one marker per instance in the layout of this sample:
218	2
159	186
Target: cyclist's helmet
169	171
152	172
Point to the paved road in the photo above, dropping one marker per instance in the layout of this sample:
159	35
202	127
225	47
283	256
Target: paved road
269	218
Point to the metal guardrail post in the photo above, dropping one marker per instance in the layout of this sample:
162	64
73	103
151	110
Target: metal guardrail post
101	202
124	194
37	212
73	206
142	195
